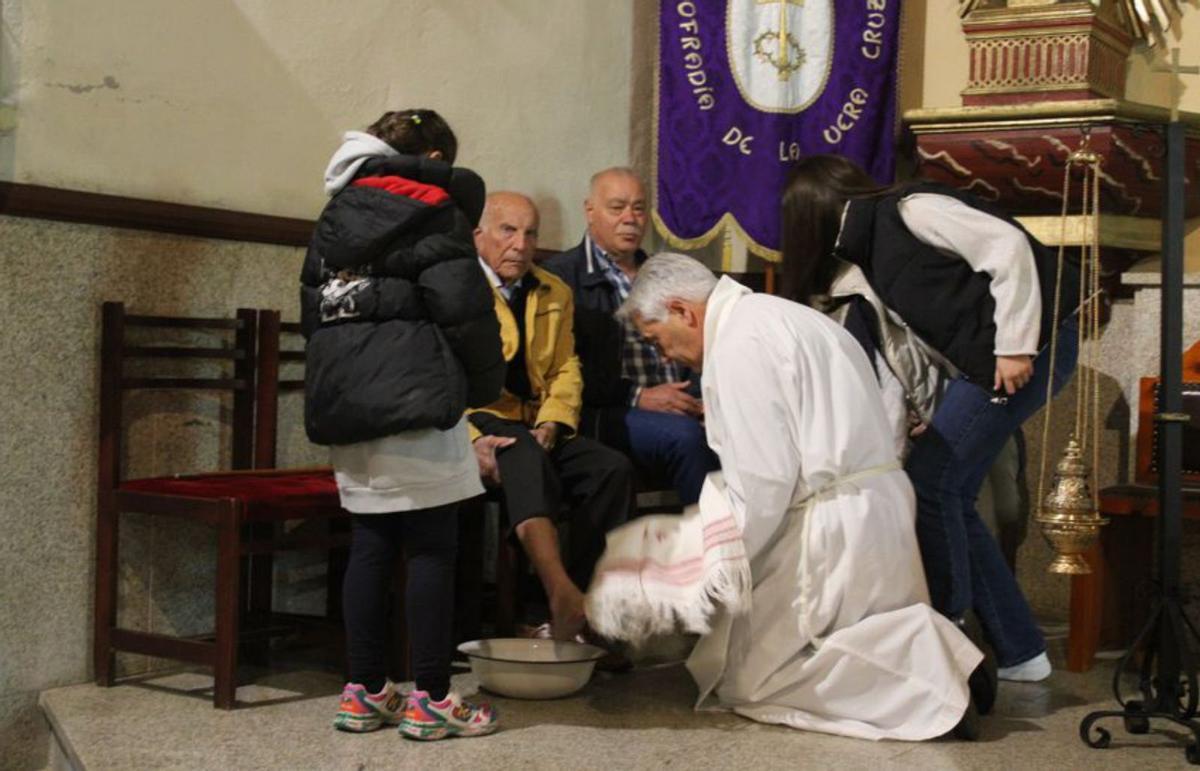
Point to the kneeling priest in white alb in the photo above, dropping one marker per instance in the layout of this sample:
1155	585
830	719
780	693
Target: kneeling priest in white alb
800	565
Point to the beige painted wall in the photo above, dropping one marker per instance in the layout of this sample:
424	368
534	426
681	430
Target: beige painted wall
239	103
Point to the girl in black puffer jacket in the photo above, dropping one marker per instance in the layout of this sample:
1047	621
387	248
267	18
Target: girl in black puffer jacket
402	337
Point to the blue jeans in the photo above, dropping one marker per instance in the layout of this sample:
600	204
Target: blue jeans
964	565
672	448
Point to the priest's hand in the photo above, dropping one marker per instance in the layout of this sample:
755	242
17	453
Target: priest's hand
671	397
1012	373
546	435
485	454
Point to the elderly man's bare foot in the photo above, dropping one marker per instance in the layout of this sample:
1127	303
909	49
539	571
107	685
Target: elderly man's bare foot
567	616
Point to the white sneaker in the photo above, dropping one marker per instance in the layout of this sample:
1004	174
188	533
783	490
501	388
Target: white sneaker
360	711
429	720
1028	671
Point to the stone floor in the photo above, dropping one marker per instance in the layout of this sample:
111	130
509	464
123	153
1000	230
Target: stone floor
637	720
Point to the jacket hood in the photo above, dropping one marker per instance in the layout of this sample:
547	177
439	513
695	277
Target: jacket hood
357	148
387	198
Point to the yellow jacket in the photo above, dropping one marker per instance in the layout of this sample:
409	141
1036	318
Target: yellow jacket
555	377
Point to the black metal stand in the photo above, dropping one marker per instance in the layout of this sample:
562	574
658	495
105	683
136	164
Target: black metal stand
1167	676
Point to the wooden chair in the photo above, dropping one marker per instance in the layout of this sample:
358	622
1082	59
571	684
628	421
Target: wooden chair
278	344
1106	605
234	502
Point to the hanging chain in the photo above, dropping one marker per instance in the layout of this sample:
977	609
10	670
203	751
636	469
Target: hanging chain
1094	337
1062	245
1081	330
1087	396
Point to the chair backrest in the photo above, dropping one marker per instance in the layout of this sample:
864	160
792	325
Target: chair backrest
279	342
154	340
1146	460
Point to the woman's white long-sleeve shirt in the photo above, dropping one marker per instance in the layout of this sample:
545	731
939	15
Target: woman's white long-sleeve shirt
989	245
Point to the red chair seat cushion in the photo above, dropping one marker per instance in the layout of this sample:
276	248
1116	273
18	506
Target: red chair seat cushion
272	494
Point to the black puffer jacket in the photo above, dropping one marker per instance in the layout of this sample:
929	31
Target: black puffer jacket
401	330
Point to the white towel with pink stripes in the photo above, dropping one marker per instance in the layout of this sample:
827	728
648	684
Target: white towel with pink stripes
667	573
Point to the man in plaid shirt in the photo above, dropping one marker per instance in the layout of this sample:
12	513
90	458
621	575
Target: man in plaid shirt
634	399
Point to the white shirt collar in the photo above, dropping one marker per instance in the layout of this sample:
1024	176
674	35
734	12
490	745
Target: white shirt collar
497	282
590	249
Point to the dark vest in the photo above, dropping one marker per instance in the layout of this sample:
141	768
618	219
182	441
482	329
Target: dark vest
940	296
516	381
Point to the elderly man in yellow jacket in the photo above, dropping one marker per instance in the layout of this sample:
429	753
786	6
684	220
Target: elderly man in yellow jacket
525	441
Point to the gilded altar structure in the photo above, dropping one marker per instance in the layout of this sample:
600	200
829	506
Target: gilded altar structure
1045	74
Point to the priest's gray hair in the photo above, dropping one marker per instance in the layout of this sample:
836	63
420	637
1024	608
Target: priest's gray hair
664	277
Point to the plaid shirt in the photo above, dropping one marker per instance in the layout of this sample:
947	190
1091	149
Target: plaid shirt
640	361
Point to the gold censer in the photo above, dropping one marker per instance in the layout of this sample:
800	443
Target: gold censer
1068	515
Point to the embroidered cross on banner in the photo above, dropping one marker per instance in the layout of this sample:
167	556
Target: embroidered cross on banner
785	61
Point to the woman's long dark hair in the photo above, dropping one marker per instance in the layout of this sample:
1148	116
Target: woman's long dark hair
817	189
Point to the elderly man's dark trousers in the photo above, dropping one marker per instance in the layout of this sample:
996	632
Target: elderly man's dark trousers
593	482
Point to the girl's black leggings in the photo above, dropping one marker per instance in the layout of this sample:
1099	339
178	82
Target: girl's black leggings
429	538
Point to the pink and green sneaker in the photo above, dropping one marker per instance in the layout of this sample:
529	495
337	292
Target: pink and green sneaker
359	711
429	720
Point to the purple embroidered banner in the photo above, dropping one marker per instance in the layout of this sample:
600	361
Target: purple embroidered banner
746	87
